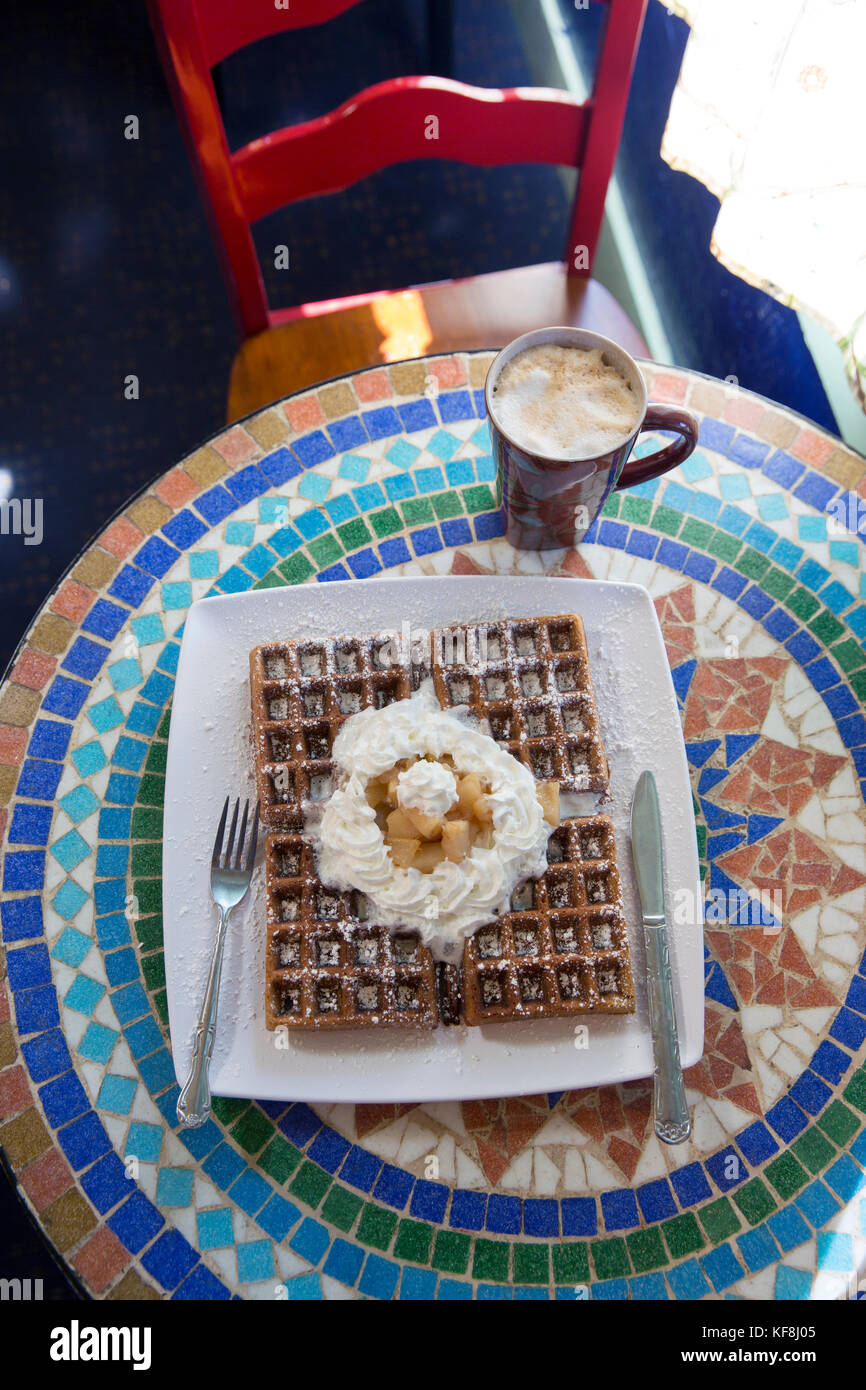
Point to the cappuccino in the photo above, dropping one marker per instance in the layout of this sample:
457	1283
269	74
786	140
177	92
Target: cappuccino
565	402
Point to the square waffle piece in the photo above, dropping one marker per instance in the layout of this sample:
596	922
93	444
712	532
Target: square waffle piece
328	966
530	680
301	693
563	947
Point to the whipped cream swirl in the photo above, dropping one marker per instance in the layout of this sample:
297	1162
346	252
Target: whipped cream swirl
450	903
427	787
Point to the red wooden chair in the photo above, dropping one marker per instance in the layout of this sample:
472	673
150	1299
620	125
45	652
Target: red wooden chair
286	349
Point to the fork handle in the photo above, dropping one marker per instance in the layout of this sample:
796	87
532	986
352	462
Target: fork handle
194	1101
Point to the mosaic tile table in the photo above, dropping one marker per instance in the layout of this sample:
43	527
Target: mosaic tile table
763	606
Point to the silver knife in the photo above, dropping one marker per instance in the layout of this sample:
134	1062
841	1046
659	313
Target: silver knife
670	1112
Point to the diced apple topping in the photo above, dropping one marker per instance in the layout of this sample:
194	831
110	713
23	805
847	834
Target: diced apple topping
418	840
548	796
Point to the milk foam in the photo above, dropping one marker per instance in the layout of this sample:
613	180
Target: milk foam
564	402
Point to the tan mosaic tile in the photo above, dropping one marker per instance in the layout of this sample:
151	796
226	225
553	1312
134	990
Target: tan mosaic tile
408	378
8	1050
51	633
845	468
205	466
707	398
149	513
18	705
8	778
479	366
67	1220
269	429
24	1138
778	429
132	1288
337	400
95	568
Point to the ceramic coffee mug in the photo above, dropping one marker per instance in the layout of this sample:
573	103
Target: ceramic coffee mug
552	503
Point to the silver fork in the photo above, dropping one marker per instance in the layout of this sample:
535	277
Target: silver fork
228	885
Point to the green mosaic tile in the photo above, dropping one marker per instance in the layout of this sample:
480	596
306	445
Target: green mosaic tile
571	1263
148	891
148	930
855	1091
612	505
849	655
310	1183
386	522
531	1263
157	757
725	547
413	1242
272	580
839	1123
354	534
683	1235
153	971
447	504
325	550
341	1208
146	860
646	1249
418	511
755	1201
636	509
253	1130
786	1175
151	790
697	533
479	499
719	1220
701	833
813	1150
752	563
226	1109
160	1003
802	603
490	1261
297	568
280	1159
858	685
164	724
667	520
376	1226
777	584
451	1252
826	628
610	1258
147	823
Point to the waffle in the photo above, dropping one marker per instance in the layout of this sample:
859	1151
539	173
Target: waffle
563	947
301	693
530	680
328	966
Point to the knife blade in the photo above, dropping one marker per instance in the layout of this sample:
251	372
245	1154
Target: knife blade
671	1118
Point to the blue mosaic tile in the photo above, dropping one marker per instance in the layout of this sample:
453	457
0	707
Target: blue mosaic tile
30	825
757	1248
792	1284
379	1279
131	585
420	1284
789	1229
687	1280
144	1142
279	466
503	1214
817	1203
467	1209
656	1200
756	1142
169	1259
347	433
311	1240
184	529
46	1056
619	1210
344	1262
722	1268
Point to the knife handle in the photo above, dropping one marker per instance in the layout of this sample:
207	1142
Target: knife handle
671	1117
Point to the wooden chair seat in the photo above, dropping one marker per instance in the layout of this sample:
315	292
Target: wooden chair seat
484	311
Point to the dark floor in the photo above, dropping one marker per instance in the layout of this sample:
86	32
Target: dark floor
107	267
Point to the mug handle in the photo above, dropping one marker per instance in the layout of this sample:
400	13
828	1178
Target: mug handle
662	417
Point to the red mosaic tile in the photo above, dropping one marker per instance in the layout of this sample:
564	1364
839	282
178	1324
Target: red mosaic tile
101	1259
15	1093
304	413
625	1156
33	669
176	488
447	371
812	448
236	446
5	1013
46	1179
13	742
370	1117
373	386
121	537
587	1118
464	564
493	1164
575	565
72	600
666	387
744	412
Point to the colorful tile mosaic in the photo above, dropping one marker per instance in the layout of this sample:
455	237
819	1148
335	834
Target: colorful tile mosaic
761	593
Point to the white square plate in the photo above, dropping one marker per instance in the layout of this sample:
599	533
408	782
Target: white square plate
209	757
